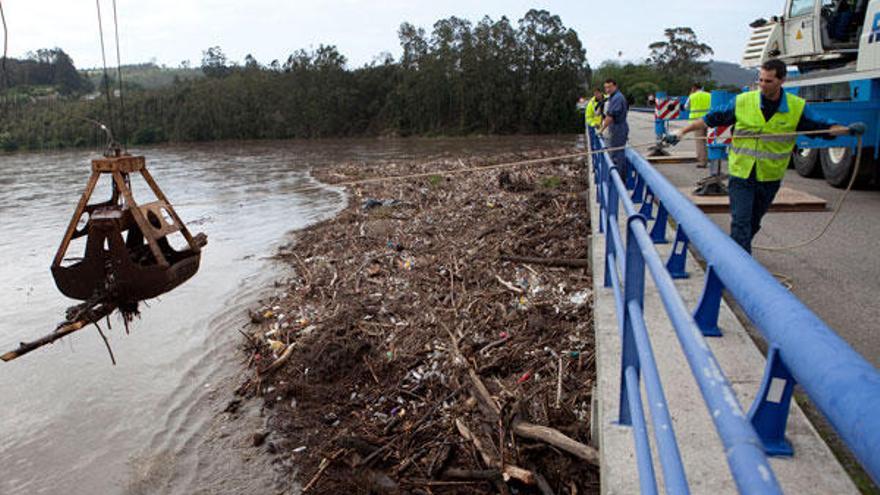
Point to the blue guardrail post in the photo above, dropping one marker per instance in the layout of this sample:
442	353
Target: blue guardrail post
706	314
769	412
634	291
676	263
658	231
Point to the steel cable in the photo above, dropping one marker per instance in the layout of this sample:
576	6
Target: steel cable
106	75
5	50
119	76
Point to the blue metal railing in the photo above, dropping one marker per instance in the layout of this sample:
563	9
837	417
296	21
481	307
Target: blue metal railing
844	386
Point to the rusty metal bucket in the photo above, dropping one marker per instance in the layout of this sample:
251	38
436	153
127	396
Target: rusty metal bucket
128	257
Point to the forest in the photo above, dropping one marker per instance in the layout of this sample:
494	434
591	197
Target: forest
492	77
461	78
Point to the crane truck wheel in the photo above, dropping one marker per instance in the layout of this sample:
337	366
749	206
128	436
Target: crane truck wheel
806	162
838	165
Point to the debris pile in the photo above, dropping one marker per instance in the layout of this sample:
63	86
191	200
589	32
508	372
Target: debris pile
435	336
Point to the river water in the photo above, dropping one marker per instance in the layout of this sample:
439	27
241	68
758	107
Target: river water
72	423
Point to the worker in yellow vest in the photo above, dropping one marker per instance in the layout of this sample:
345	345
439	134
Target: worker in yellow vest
757	164
594	113
698	104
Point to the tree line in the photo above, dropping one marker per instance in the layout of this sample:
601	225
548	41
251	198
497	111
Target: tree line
673	66
45	67
492	77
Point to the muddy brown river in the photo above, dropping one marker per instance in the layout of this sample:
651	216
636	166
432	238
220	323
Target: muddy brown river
70	422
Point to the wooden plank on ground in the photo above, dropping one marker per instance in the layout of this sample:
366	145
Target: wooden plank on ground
671	159
787	200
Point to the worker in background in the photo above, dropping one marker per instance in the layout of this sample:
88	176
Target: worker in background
615	124
698	104
756	165
593	114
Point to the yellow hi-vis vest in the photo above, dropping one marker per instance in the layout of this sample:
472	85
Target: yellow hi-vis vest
700	101
593	118
772	153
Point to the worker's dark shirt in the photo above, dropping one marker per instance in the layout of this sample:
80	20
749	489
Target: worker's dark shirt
726	116
617	109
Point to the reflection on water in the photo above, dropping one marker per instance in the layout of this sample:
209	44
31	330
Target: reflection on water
72	423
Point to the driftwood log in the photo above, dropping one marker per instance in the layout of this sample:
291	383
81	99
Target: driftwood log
92	315
508	471
532	431
565	262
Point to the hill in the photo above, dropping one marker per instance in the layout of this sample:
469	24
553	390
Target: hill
146	76
731	74
45	72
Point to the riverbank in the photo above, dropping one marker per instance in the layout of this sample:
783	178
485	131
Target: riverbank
414	350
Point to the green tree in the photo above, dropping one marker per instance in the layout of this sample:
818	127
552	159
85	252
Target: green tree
65	76
214	62
554	64
678	57
492	76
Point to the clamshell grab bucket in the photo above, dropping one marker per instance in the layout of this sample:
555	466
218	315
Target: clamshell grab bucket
128	257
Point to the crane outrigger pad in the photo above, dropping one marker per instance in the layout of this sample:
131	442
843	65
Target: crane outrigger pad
787	200
663	159
128	257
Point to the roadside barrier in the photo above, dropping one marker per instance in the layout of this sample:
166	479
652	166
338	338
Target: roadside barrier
667	108
720	135
718	141
802	349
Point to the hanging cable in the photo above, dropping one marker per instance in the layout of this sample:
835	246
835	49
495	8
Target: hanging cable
106	75
119	76
5	48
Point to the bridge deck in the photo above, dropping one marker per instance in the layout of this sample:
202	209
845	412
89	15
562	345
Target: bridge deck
812	470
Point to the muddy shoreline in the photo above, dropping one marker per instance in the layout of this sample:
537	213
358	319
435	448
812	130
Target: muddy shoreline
433	337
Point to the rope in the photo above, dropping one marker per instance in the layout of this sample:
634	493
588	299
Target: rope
513	164
835	211
119	76
483	168
783	279
473	169
446	171
838	204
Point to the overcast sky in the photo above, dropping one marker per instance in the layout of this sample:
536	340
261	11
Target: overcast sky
171	31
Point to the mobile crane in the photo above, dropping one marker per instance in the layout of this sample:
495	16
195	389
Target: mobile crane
835	47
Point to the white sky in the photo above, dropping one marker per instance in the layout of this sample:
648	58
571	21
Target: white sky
174	30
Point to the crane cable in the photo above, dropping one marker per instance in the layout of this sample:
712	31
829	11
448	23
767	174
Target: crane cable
106	74
5	48
6	85
119	77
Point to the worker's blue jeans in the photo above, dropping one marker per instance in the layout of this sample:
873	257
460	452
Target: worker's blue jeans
619	135
749	201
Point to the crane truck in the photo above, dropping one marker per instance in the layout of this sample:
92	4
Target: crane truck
833	48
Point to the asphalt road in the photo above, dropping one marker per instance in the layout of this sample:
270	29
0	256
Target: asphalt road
838	276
